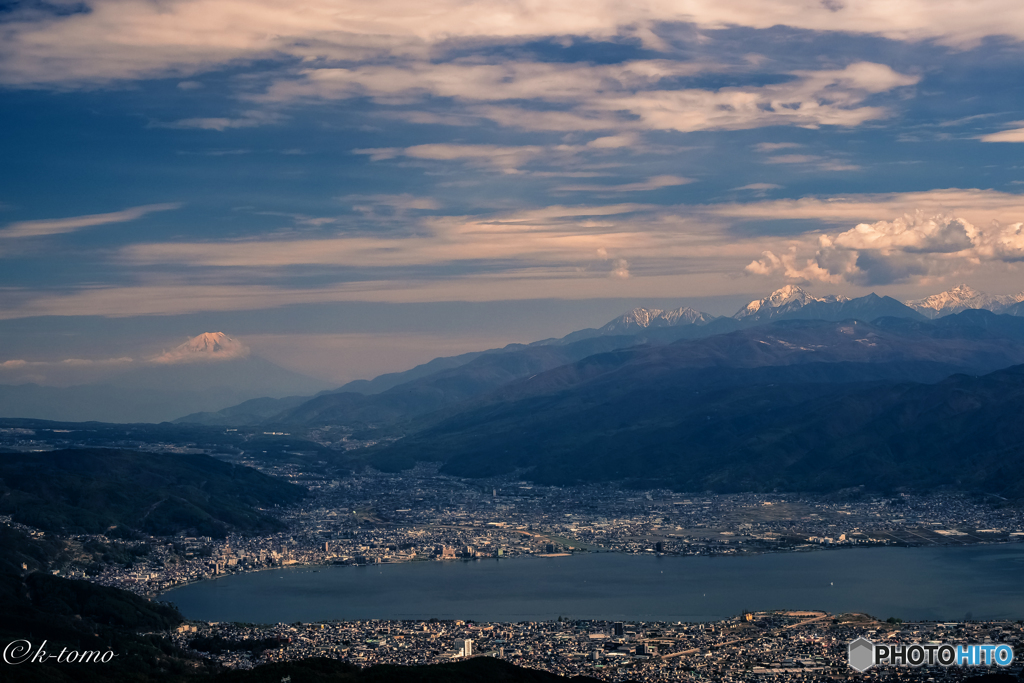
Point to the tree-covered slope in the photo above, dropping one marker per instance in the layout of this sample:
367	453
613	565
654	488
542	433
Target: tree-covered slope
92	490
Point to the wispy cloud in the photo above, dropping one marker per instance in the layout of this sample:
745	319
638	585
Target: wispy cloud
507	159
578	251
759	187
977	206
812	162
653	183
131	39
249	119
775	146
54	226
1011	135
792	159
627	96
17	364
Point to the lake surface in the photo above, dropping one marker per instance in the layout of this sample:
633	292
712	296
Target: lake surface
979	582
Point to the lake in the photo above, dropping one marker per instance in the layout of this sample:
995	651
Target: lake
979	582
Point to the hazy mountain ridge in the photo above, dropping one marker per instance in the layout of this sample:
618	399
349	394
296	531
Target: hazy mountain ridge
209	377
724	417
435	385
208	372
158	392
447	387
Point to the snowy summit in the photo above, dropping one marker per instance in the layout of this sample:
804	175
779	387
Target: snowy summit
209	346
644	318
789	298
962	298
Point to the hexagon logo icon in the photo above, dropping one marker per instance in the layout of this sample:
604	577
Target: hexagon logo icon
861	654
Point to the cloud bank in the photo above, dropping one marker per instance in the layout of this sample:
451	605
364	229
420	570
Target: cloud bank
131	39
901	250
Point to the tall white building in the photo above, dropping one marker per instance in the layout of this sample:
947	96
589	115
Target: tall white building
464	646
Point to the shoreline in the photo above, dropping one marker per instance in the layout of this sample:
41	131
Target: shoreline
153	595
486	600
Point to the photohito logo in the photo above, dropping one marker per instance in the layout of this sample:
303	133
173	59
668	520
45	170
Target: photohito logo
863	654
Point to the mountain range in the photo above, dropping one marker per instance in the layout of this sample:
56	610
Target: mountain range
447	382
793	392
214	379
793	405
962	298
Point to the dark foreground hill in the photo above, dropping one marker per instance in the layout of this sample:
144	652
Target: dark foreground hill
788	411
92	490
38	607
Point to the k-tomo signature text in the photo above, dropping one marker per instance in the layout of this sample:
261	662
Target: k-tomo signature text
22	651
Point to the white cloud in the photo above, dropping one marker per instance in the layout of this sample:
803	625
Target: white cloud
910	247
1012	135
507	159
775	146
554	234
977	206
792	159
615	141
620	269
54	226
654	183
395	203
623	96
759	187
580	251
248	119
18	364
67	372
916	233
812	162
130	39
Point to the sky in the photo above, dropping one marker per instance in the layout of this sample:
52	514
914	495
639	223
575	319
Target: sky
353	188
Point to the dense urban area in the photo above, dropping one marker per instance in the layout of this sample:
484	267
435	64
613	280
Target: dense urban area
423	516
763	646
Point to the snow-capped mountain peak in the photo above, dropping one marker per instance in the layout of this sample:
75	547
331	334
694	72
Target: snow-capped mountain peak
684	316
962	298
205	347
788	298
644	318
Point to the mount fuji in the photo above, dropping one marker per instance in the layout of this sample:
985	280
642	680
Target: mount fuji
207	372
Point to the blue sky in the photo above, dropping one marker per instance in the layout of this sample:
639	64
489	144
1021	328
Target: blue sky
354	188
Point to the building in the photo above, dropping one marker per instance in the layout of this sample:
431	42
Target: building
464	647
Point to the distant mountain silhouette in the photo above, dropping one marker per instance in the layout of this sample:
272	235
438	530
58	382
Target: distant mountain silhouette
780	406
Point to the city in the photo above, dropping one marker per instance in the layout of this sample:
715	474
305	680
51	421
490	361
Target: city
771	646
421	516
